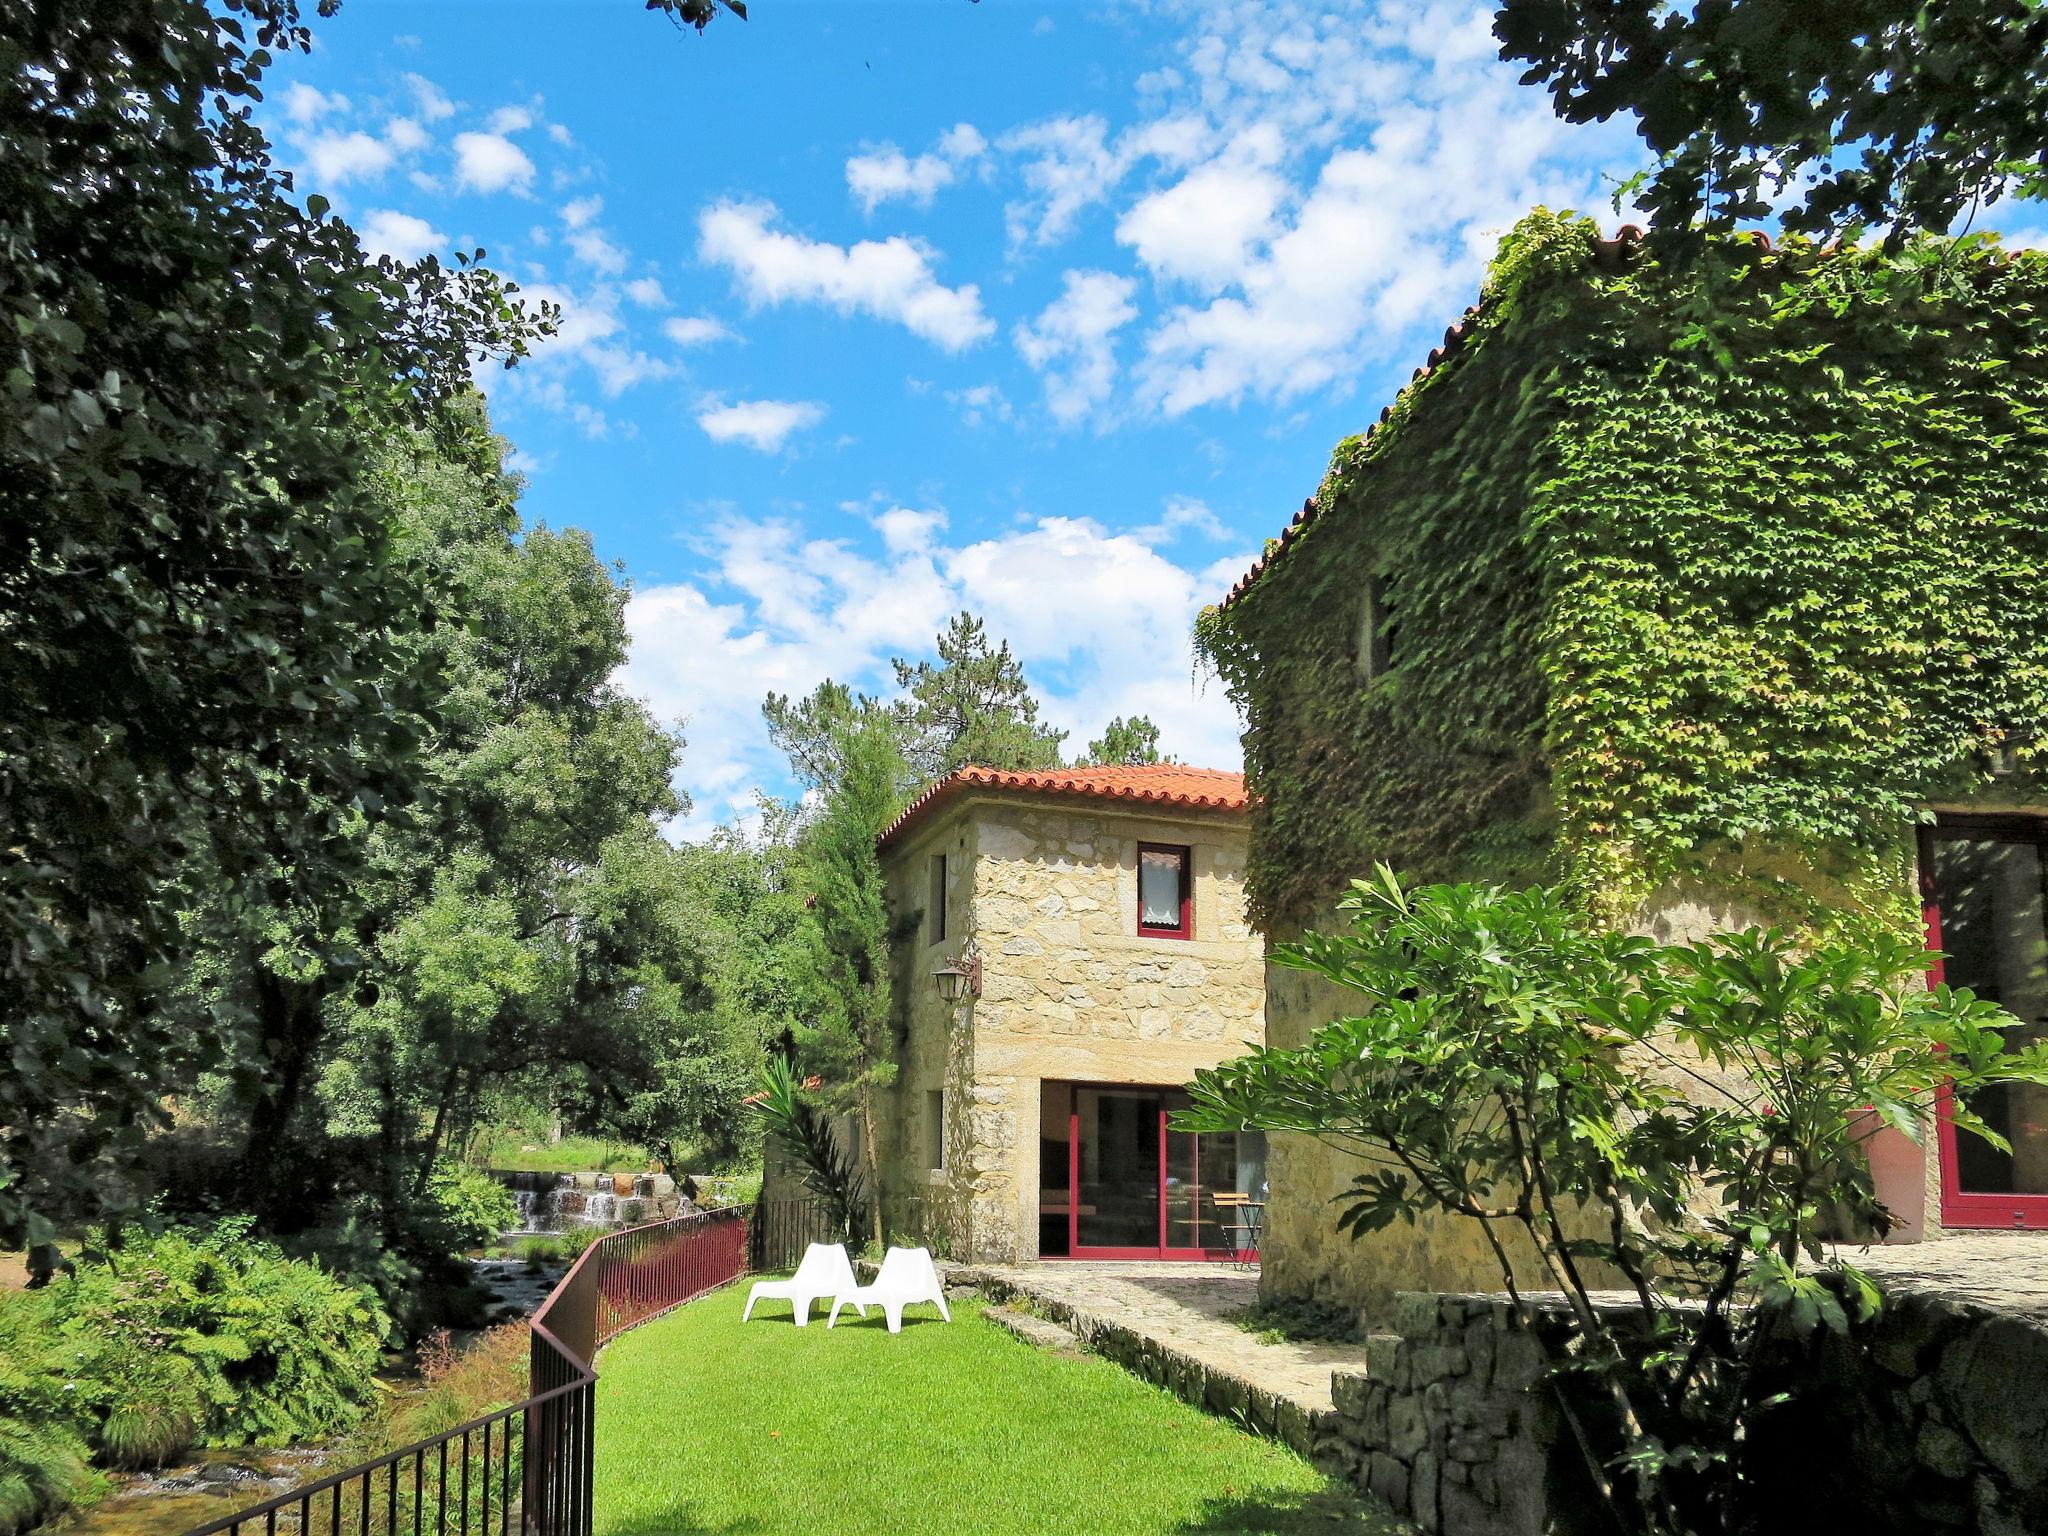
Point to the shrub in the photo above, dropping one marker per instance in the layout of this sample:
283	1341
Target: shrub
465	1208
43	1448
43	1472
1514	1066
461	1384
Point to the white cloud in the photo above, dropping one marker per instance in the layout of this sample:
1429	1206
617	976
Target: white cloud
1183	514
1069	167
647	292
1070	345
580	211
778	610
489	162
406	136
695	330
303	104
907	530
886	173
1203	228
511	120
433	105
980	403
619	369
888	279
595	249
764	425
338	158
1328	177
387	232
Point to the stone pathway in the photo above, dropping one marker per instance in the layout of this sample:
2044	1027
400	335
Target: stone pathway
1171	1323
2002	1272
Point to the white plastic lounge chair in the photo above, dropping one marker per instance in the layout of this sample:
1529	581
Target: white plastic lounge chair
825	1271
907	1276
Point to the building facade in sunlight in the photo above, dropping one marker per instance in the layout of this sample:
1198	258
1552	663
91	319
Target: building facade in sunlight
1717	608
1080	951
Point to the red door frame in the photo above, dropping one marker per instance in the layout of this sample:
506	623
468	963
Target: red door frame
1074	1248
1961	1207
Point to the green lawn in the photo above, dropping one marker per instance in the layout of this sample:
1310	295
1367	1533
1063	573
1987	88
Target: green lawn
706	1426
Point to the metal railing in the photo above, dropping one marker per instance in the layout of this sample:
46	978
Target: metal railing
784	1228
526	1469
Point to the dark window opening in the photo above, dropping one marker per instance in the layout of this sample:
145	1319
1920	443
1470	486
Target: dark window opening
935	902
1376	628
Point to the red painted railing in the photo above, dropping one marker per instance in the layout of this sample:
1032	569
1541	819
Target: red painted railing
527	1468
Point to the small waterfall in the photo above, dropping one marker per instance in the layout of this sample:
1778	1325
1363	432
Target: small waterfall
559	1202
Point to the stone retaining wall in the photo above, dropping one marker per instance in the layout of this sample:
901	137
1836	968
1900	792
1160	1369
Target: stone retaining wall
1228	1394
1931	1419
1443	1424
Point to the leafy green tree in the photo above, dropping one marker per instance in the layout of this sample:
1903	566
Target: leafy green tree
1125	743
971	706
200	675
1891	114
752	980
532	922
1512	1066
811	731
851	1040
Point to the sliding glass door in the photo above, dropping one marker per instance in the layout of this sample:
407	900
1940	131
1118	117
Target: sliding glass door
1985	882
1134	1187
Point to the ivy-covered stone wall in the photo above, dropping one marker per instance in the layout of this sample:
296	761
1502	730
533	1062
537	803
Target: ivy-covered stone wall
1703	582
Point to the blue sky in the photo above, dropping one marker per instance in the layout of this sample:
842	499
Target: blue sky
1053	311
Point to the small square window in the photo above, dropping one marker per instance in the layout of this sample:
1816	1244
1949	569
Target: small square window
935	1127
1166	892
935	902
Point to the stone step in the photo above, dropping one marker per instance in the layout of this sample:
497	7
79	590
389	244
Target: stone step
1034	1330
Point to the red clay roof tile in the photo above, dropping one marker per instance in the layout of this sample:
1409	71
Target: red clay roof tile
1162	784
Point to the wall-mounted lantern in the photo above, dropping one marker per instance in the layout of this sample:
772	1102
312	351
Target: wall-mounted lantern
959	978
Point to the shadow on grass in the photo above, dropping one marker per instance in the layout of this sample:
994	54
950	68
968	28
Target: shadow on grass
686	1519
1333	1511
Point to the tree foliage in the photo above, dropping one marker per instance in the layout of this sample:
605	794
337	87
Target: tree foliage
971	706
1125	743
1888	114
201	680
1608	1110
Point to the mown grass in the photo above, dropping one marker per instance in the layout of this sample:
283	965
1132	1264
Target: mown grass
705	1426
517	1147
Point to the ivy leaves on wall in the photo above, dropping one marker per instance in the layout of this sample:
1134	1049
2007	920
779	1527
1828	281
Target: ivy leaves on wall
1748	557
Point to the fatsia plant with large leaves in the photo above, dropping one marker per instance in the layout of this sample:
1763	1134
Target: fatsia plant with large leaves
1682	1121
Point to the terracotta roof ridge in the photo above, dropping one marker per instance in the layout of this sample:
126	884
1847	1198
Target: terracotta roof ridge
1167	784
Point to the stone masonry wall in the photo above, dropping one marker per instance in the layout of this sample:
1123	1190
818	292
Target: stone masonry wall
1448	1423
1046	893
1931	1420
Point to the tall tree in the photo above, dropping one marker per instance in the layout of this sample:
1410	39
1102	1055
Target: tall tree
1125	743
812	731
199	678
1892	114
971	706
851	1041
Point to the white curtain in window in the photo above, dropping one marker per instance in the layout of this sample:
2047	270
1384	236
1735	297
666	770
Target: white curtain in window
1159	887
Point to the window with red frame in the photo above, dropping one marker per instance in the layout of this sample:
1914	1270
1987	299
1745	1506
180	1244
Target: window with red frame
1166	892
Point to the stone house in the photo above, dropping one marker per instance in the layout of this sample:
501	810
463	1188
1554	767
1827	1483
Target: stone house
1098	915
1715	621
